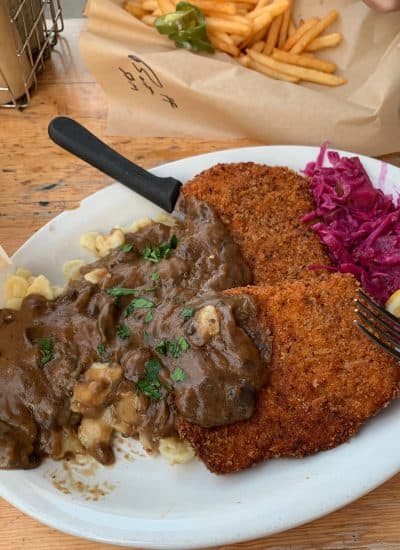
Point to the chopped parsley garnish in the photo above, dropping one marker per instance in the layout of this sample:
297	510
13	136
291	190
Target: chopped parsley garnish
130	308
187	312
183	344
137	303
162	347
179	375
117	292
150	384
173	243
101	349
126	247
155	276
46	350
123	332
157	253
149	316
174	347
140	303
146	335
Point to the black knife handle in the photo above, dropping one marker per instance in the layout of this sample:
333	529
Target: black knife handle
76	139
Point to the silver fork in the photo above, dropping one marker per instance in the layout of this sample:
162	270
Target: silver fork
379	325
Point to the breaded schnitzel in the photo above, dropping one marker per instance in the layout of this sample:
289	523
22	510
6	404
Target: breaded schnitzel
326	378
262	207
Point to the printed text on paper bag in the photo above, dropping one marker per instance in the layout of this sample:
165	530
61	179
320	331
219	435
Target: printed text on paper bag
142	78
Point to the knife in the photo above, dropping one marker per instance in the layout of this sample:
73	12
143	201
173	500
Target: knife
75	138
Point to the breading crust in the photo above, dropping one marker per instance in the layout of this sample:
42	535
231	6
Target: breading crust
262	206
326	378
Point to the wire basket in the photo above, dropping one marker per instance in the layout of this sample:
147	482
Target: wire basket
34	28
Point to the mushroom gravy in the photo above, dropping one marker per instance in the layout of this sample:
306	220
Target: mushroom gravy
145	334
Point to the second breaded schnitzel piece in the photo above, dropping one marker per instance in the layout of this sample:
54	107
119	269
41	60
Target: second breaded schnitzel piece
262	206
326	378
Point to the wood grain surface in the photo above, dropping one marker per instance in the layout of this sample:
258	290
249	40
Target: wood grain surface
37	182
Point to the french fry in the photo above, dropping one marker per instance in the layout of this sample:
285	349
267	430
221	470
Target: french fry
302	73
304	61
273	35
225	37
258	46
242	9
217	8
218	41
244	60
252	2
258	37
148	20
278	7
265	30
302	29
314	31
260	68
327	41
236	38
166	6
220	24
237	19
283	33
134	9
275	9
291	29
260	26
150	5
262	22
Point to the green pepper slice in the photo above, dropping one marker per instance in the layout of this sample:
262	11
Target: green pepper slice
186	27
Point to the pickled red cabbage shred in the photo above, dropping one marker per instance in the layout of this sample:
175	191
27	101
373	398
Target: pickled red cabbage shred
358	223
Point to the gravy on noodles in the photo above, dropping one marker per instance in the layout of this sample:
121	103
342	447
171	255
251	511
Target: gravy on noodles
145	334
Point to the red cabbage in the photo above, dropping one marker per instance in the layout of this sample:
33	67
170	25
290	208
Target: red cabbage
359	224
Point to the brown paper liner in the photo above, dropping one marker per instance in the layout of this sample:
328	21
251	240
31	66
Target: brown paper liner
154	89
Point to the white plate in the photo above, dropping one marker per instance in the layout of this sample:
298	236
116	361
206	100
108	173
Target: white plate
155	505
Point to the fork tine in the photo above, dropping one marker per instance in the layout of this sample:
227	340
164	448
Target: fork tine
384	312
383	325
379	331
371	336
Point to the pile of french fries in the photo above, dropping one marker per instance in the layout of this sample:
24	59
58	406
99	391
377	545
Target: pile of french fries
261	35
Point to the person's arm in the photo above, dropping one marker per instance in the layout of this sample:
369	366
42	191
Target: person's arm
383	6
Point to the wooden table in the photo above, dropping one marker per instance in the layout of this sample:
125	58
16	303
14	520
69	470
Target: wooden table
38	181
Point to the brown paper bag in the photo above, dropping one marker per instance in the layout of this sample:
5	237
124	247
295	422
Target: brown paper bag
154	89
